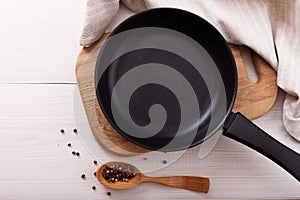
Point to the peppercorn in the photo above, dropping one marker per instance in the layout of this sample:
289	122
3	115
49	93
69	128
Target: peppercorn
77	154
74	130
95	162
62	130
164	162
69	145
95	174
73	152
94	187
117	173
83	176
108	193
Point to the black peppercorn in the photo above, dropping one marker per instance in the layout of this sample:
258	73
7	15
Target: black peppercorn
117	172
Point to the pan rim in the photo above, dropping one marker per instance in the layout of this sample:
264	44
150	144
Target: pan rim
116	30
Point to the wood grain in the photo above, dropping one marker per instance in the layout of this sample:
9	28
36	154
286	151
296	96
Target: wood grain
194	183
37	163
48	46
253	99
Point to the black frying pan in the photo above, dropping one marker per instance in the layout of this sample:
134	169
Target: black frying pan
154	67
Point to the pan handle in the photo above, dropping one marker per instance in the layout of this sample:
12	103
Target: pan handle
241	129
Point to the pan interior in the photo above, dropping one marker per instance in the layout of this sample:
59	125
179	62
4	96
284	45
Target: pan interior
160	88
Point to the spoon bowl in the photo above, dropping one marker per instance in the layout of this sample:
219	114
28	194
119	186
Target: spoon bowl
194	183
136	180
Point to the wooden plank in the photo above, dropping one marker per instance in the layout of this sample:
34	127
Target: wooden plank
40	40
37	164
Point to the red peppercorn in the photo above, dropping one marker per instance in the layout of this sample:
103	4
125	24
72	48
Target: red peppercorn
94	187
77	154
73	152
117	173
62	130
95	162
83	176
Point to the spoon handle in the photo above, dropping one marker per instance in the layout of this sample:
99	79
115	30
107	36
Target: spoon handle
199	184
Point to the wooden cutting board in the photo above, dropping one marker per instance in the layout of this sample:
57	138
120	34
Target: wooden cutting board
253	99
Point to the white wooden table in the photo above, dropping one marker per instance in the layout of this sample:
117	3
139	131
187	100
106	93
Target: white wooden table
39	46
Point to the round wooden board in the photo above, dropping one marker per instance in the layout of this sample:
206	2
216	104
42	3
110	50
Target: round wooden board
253	99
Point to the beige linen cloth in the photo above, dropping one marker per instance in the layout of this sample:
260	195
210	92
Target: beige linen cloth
269	27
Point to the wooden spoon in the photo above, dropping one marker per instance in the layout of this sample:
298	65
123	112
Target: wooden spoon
199	184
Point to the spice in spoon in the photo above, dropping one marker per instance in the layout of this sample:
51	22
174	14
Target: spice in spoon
118	172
